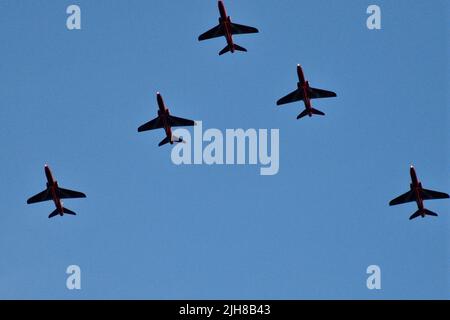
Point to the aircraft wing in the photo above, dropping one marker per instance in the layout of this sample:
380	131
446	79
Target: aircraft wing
404	198
67	194
40	197
296	95
215	32
430	194
151	125
180	122
319	93
241	29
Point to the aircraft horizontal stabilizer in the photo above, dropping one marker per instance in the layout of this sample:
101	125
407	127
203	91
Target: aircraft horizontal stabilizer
423	212
239	48
69	211
224	50
54	213
430	213
178	139
235	47
313	111
303	114
317	112
166	140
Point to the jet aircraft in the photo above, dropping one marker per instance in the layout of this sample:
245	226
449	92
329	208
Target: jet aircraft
55	193
418	194
306	93
166	121
227	29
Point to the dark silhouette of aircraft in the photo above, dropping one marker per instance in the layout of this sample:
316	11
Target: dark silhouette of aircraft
166	121
306	93
55	193
418	194
228	29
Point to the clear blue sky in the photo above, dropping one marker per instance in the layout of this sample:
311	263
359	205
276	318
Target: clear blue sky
149	229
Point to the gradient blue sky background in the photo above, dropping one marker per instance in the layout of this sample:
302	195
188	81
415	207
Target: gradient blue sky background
149	229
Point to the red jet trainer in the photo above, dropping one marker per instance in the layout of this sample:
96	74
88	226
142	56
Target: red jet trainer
418	194
166	121
55	193
306	93
227	28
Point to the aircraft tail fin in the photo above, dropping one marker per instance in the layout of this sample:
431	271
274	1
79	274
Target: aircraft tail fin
54	213
423	213
67	211
235	47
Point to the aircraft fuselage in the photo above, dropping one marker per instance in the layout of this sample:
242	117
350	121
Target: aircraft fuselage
303	86
416	187
52	185
225	22
163	114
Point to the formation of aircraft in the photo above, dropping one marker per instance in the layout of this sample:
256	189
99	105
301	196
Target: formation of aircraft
227	29
418	194
55	193
166	121
306	93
